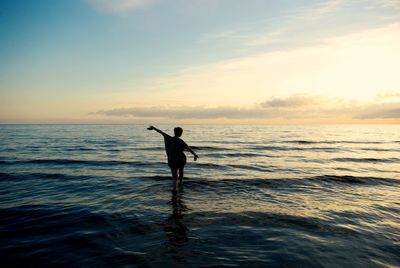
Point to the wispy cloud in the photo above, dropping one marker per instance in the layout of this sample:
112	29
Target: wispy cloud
294	101
186	112
290	24
310	23
383	4
380	111
117	6
356	66
389	96
316	11
290	107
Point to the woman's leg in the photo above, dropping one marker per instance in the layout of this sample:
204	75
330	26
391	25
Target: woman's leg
174	172
180	169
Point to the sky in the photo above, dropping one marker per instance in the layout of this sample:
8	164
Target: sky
200	61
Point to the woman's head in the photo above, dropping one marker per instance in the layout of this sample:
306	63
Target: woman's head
178	131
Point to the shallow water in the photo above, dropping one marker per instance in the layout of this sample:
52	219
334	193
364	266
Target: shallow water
280	196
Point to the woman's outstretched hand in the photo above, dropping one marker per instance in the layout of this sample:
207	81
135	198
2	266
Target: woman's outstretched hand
150	128
195	158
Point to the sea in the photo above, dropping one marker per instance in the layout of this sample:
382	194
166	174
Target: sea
258	196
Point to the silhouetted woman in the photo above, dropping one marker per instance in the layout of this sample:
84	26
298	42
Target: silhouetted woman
174	146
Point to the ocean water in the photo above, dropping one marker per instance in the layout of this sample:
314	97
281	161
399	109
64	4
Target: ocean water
259	196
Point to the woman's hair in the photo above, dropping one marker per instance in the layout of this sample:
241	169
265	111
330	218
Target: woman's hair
178	131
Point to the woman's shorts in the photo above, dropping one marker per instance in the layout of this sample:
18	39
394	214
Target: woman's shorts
176	163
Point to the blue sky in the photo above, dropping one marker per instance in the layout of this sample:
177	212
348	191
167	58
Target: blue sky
137	42
77	60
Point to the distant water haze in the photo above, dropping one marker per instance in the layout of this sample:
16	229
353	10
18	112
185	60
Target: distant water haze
100	195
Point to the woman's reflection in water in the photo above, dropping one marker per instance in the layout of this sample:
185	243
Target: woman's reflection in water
175	230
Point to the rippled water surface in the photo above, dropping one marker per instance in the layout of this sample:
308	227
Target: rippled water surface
278	196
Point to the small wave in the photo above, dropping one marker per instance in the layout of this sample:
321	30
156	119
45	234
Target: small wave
354	179
210	165
270	148
242	184
155	148
355	142
285	148
234	155
333	142
394	211
77	162
8	149
303	142
377	149
106	142
209	148
82	149
52	176
237	184
367	160
234	142
253	218
252	167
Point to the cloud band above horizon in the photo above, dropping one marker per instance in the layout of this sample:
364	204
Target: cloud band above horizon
291	107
